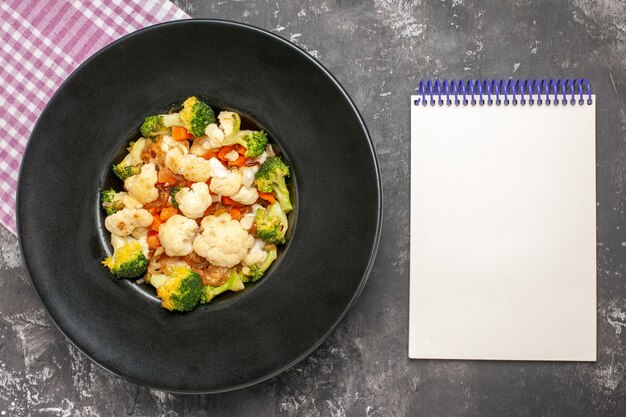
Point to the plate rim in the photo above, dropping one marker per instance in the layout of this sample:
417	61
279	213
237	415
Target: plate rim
379	210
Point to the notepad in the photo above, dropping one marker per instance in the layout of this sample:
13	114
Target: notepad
503	221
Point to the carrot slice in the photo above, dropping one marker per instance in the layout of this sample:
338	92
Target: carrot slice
165	176
153	241
235	213
239	162
209	154
227	201
180	133
156	222
241	149
223	152
269	197
167	212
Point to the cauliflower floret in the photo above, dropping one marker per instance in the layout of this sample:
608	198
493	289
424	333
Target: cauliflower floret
224	182
247	220
194	201
223	241
190	166
176	235
174	159
256	254
168	143
124	221
246	196
227	122
130	202
141	234
215	135
196	169
200	146
247	175
141	186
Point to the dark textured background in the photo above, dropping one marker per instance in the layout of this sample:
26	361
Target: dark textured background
378	50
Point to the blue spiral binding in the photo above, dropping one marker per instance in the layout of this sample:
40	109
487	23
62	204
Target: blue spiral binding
481	92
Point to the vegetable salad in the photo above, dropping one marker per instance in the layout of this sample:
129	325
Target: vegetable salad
203	207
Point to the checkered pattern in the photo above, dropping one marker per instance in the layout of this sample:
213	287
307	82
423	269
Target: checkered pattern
41	43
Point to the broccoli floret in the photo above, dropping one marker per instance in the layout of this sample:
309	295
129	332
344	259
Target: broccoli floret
131	164
111	201
128	260
159	124
196	115
253	141
257	271
271	178
124	171
234	283
173	193
153	127
180	291
271	224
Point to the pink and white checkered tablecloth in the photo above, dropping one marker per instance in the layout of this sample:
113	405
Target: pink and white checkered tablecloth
41	43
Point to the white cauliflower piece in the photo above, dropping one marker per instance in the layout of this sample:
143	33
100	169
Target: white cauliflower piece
141	235
223	241
228	122
231	156
194	201
168	143
174	159
215	135
130	202
190	166
196	169
224	182
247	175
141	186
200	146
247	220
176	235
125	221
256	254
246	196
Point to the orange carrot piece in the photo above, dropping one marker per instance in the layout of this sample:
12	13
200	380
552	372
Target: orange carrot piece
235	213
227	201
156	222
269	197
239	162
241	149
153	241
209	154
180	133
223	152
167	212
165	176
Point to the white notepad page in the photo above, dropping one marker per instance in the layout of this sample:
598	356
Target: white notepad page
503	232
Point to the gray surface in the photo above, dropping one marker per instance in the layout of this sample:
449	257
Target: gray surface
379	50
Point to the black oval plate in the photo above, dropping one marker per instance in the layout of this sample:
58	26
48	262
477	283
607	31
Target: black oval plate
247	337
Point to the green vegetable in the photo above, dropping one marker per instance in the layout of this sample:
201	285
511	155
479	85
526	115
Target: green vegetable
257	271
234	283
128	260
253	141
196	116
173	193
271	224
111	201
271	178
180	290
131	164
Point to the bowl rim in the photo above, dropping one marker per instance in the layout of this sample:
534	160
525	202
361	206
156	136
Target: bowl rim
379	210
